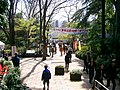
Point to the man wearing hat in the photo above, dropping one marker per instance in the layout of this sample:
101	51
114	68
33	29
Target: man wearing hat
46	76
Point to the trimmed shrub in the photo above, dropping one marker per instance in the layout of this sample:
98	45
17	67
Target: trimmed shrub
80	54
59	70
75	75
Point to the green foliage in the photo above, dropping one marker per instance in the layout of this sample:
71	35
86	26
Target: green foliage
76	71
75	75
3	9
3	86
118	74
18	15
80	54
59	70
12	79
3	37
15	70
8	64
72	25
92	8
102	60
26	31
21	50
3	6
7	51
59	66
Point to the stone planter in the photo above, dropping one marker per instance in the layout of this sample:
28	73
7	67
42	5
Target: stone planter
59	70
75	75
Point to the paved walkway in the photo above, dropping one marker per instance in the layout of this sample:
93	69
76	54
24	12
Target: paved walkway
31	71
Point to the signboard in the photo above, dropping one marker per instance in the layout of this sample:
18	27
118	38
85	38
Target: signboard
72	31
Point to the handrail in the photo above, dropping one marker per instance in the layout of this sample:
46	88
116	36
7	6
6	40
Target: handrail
100	85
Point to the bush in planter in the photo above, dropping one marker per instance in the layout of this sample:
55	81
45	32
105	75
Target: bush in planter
75	75
59	70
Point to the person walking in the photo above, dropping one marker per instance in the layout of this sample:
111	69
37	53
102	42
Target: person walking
88	61
67	61
61	47
99	75
92	67
85	63
46	76
111	74
16	60
50	50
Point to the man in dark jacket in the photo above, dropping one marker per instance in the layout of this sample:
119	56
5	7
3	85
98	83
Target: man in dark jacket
87	60
100	73
92	67
67	61
111	74
16	60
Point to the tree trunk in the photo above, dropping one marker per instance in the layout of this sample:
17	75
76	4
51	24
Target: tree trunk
44	31
103	27
117	34
40	25
11	26
118	17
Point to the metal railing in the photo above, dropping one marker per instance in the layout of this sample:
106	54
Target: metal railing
96	83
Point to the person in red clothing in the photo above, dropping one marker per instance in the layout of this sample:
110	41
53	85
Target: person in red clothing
3	69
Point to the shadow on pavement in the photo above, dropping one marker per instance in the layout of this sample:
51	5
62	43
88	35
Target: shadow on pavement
31	71
26	60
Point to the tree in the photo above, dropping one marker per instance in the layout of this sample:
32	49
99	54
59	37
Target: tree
117	28
9	21
3	6
3	10
71	9
95	9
